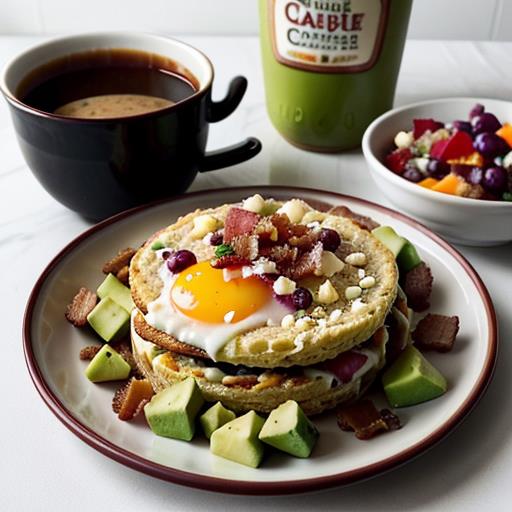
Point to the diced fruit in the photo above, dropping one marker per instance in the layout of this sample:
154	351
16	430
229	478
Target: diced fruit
388	236
463	126
109	319
422	125
437	169
460	144
288	429
505	132
448	185
117	291
107	365
490	145
238	440
397	160
411	380
474	159
428	183
216	416
172	412
408	257
412	174
485	122
495	180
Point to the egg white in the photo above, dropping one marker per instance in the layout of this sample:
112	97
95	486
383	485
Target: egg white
210	337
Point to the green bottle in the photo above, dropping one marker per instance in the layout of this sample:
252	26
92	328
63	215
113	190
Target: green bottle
330	67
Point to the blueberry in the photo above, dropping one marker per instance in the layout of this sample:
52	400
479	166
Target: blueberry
489	144
495	180
330	239
302	298
181	260
477	110
437	169
463	126
412	174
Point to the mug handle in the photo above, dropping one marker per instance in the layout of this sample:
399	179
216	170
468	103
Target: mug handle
216	111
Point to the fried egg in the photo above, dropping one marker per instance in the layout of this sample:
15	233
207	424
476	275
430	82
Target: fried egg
199	306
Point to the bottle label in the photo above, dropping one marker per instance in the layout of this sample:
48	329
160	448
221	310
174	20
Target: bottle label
336	36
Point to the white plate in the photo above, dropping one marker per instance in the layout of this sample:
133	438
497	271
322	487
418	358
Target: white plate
52	346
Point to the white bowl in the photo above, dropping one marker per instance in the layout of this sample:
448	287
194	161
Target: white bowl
459	219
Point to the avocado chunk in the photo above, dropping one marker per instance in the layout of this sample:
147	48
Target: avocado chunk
411	380
389	237
288	429
216	416
238	440
408	257
107	365
117	291
109	319
172	411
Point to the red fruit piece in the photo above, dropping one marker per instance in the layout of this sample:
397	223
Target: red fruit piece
397	160
460	144
345	365
422	125
239	222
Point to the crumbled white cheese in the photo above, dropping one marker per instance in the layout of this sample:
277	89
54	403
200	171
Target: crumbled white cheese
207	238
330	265
327	294
264	266
335	315
404	139
358	259
288	321
304	323
367	282
294	209
361	273
284	286
313	216
353	292
231	273
203	224
254	203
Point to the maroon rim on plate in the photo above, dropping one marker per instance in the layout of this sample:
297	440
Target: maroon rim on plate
209	483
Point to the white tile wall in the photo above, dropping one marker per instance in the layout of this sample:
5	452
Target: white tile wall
431	19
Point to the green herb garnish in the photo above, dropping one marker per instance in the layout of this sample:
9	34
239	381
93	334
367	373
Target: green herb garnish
300	313
157	245
223	250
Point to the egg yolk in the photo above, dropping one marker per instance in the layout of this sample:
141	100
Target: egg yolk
200	292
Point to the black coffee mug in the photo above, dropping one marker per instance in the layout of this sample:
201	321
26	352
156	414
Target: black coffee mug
98	167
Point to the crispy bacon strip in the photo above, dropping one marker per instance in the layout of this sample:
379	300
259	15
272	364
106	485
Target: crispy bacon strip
418	287
122	259
436	332
88	353
81	305
365	420
123	275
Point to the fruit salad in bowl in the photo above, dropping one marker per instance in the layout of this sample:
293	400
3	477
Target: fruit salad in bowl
467	158
449	163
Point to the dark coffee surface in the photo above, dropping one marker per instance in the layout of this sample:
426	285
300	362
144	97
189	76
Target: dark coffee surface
105	72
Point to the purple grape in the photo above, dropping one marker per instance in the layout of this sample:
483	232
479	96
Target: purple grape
437	169
330	239
495	180
475	176
217	238
489	144
412	174
181	260
485	122
463	126
302	298
166	255
477	110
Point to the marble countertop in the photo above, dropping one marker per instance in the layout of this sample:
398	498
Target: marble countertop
45	467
